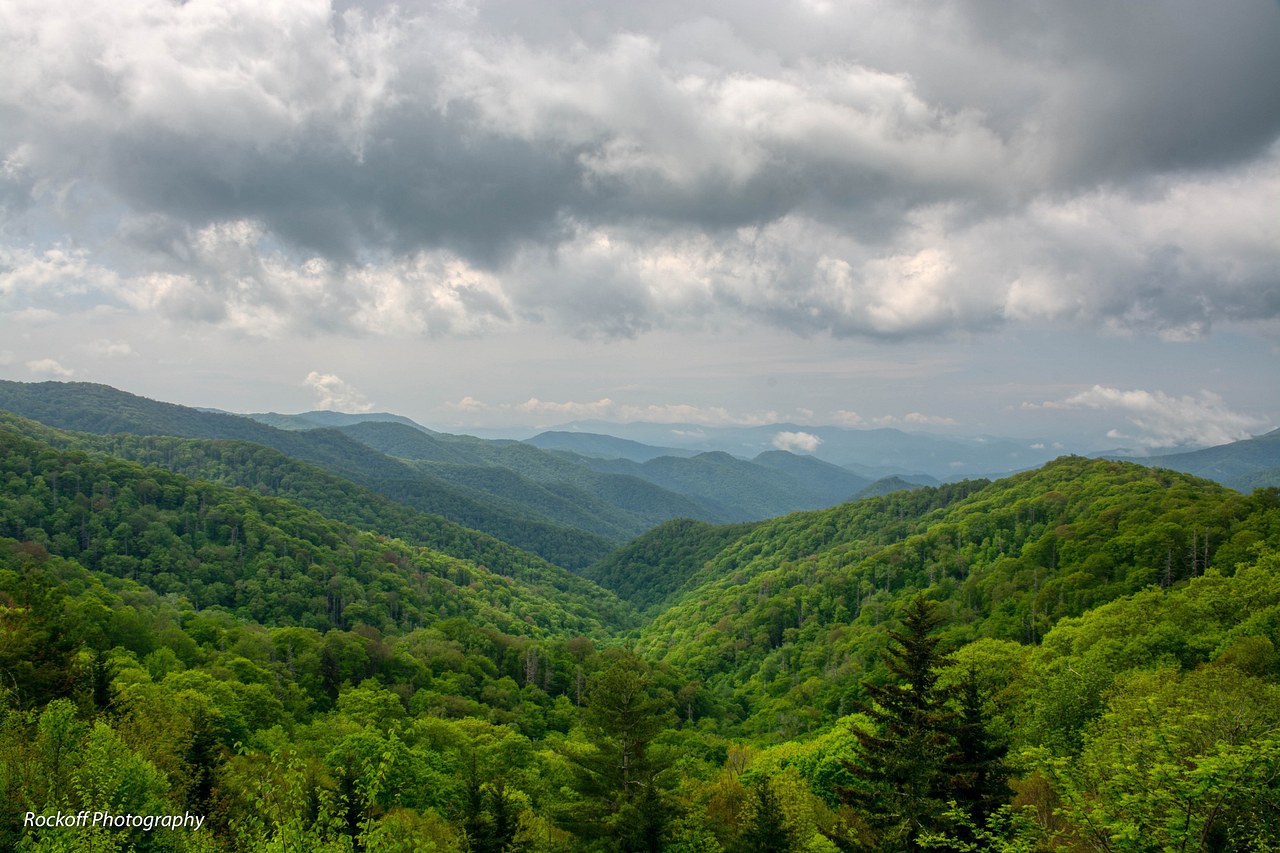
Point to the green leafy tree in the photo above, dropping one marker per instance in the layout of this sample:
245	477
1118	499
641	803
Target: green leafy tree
1188	763
623	803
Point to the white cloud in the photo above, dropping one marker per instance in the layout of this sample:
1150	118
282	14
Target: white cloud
49	367
574	411
108	348
1165	421
918	419
846	418
797	441
335	394
870	171
467	404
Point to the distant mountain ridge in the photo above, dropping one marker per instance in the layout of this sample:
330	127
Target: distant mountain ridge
565	507
602	446
1242	465
871	453
328	418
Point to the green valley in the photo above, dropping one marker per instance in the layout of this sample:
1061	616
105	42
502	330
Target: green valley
281	632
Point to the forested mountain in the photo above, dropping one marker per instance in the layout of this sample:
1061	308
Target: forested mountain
888	486
1083	657
268	472
782	620
1243	465
260	557
325	418
99	409
602	446
651	569
568	509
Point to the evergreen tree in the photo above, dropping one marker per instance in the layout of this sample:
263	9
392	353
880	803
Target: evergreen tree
623	803
767	830
906	762
979	774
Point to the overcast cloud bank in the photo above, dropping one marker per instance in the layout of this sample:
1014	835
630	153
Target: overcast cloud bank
867	169
871	171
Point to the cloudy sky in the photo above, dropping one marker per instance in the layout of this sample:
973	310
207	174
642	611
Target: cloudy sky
1042	219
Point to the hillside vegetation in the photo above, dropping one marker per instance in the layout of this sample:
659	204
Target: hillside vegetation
1084	657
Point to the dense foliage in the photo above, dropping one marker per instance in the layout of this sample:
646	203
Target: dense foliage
98	409
260	557
268	472
651	569
785	620
1080	658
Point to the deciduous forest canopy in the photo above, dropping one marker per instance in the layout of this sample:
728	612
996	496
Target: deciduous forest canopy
204	614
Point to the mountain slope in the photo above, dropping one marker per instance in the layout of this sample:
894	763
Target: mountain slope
649	571
268	472
600	446
829	483
1243	465
790	609
264	558
100	409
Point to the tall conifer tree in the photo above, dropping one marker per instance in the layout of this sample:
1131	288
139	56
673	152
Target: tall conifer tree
906	762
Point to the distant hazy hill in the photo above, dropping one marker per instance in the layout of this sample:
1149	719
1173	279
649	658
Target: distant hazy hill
601	446
831	483
888	486
872	453
740	489
312	420
1243	465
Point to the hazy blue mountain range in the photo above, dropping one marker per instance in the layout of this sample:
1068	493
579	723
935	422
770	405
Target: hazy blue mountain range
602	446
324	418
1242	465
741	489
567	508
871	453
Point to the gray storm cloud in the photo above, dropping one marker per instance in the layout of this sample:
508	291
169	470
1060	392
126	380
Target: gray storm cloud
874	169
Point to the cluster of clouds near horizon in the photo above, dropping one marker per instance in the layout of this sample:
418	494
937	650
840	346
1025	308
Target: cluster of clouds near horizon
875	170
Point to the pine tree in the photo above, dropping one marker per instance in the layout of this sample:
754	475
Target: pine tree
906	762
979	775
619	777
767	830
